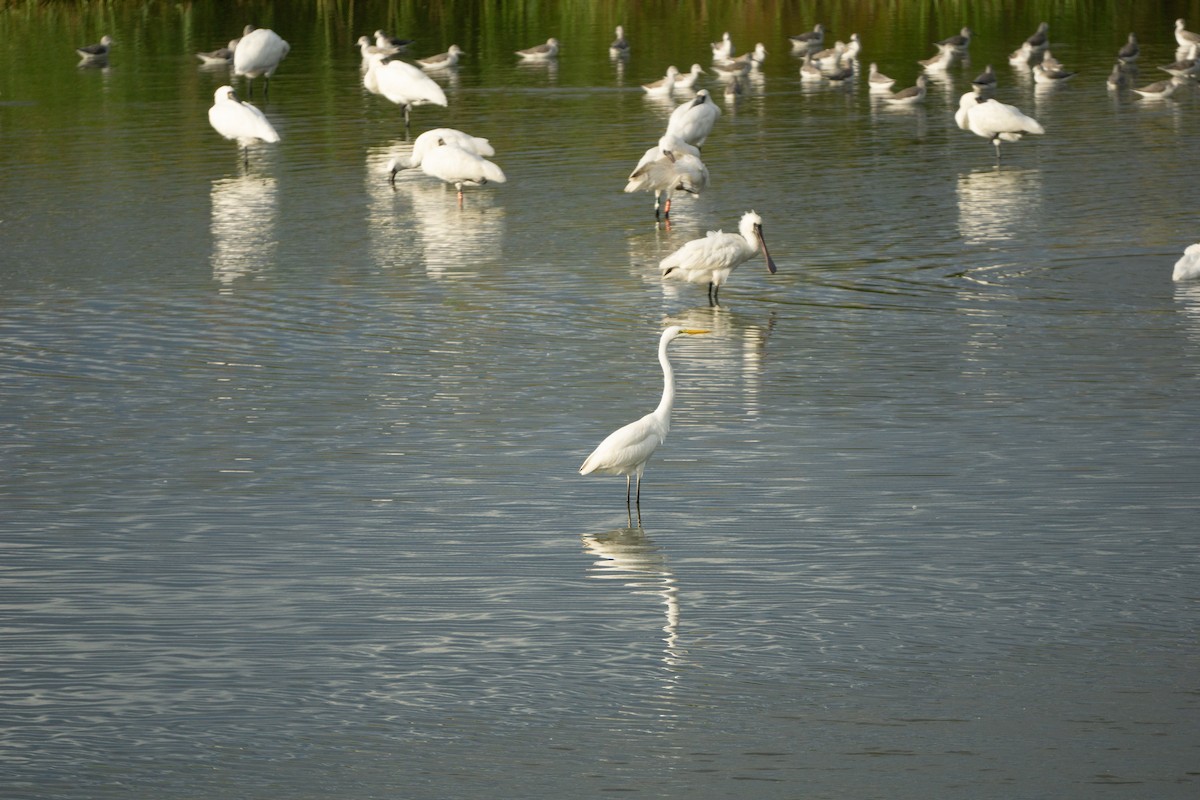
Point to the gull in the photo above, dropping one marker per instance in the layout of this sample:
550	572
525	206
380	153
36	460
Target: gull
688	79
95	52
958	43
1046	76
877	81
1184	67
540	52
1130	51
810	72
1118	79
811	40
442	60
222	55
853	48
663	87
1160	90
393	43
986	80
1184	37
938	63
1039	40
722	49
258	55
620	45
910	96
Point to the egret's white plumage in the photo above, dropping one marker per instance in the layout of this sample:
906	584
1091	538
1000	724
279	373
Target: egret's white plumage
1188	266
441	60
257	55
95	52
626	450
693	121
239	121
403	84
670	166
540	52
451	163
993	120
711	259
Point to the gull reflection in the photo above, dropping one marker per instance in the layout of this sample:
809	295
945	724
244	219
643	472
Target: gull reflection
244	211
629	555
418	218
997	205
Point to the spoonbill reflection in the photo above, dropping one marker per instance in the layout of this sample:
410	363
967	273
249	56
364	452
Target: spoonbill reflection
626	450
671	165
258	55
994	120
244	239
238	120
403	84
711	259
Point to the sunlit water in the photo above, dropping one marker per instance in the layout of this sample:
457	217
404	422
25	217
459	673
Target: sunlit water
290	504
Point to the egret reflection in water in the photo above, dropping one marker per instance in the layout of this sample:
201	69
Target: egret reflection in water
629	555
244	212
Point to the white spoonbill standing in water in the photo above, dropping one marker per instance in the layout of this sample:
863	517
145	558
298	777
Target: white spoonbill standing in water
993	120
711	259
454	164
403	84
258	54
235	119
626	450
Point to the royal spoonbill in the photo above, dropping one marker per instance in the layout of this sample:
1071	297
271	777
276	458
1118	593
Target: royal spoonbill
671	165
403	84
711	259
453	164
240	121
1188	266
993	120
258	55
693	121
626	450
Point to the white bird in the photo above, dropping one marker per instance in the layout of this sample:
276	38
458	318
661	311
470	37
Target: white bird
830	56
620	45
626	450
453	164
671	165
403	84
428	140
810	72
723	49
711	259
392	43
442	60
1187	66
540	52
1021	56
877	81
1160	90
938	63
1130	51
1047	76
258	55
1188	266
95	52
688	79
239	121
693	121
810	40
222	55
910	96
853	48
367	49
663	87
1184	37
993	120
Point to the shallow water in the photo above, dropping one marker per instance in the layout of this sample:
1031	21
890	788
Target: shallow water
290	504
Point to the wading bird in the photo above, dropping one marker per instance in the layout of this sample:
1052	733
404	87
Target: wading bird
711	259
451	163
1188	266
993	120
626	450
540	52
693	121
429	140
403	84
239	121
257	55
671	165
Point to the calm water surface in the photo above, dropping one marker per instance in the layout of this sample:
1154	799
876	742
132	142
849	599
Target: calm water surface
290	504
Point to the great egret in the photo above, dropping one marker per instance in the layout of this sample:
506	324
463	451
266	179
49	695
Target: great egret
95	52
626	450
810	40
993	120
240	121
711	259
403	84
540	52
878	82
1188	266
671	165
693	121
442	60
257	55
453	164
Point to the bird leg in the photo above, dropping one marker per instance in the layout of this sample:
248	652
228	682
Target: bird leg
996	142
406	110
667	210
713	291
627	487
246	156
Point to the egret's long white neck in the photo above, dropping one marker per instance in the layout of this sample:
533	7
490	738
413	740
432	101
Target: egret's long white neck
668	395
